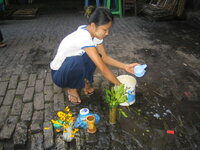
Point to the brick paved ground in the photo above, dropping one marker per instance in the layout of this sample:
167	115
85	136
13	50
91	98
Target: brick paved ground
29	99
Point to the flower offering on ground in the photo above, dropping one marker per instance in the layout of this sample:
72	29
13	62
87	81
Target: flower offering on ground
65	120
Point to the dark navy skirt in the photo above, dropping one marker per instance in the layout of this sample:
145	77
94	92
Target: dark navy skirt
73	72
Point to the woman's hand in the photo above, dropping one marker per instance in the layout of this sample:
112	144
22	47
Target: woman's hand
130	67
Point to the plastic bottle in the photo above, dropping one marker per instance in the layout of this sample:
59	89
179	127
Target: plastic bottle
81	119
139	70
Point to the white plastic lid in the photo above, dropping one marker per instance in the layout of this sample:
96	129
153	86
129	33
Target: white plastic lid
84	111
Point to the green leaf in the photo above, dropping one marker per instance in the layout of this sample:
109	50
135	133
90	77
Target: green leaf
121	112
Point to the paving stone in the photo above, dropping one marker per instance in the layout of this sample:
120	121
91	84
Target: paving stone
193	96
35	128
8	100
1	100
38	101
20	135
59	102
130	142
48	135
18	69
36	141
1	146
57	89
21	87
32	78
27	112
79	140
105	85
24	76
60	143
90	138
117	146
28	95
16	59
39	86
48	80
5	76
8	128
8	146
13	82
23	58
102	128
97	82
3	87
17	106
49	112
159	141
42	74
48	93
103	141
1	69
91	146
37	121
4	111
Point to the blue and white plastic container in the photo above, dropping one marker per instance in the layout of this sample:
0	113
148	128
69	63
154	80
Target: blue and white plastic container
139	70
130	83
81	119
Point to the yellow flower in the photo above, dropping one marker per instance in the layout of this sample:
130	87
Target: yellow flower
61	114
66	126
56	122
69	114
64	130
46	128
76	129
53	121
67	109
62	118
57	130
71	135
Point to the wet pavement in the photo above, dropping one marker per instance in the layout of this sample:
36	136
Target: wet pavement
167	97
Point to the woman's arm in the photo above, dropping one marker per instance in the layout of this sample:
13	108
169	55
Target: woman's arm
94	56
113	62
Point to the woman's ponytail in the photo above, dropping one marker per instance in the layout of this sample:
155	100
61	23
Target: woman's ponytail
89	10
99	15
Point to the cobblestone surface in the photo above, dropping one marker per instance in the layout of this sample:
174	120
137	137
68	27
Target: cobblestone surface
170	88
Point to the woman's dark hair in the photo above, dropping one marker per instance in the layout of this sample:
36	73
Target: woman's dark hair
100	16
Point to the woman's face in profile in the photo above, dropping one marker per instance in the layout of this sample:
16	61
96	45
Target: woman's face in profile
103	30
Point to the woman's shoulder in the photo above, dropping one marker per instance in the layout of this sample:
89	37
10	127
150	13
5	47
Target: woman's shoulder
82	27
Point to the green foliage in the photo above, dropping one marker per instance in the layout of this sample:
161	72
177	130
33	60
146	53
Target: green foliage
122	113
115	96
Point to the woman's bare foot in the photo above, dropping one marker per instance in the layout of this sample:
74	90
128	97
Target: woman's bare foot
88	90
73	96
